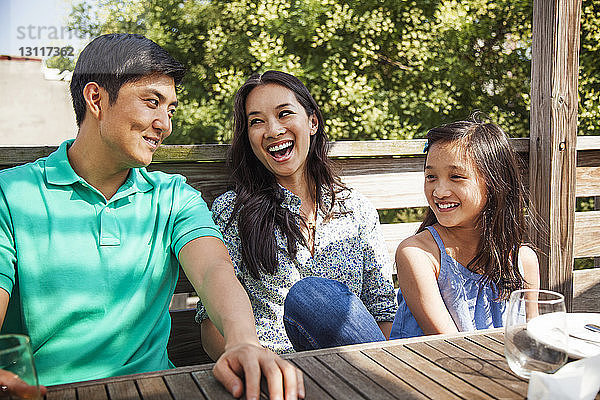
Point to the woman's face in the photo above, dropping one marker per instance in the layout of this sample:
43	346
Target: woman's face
279	131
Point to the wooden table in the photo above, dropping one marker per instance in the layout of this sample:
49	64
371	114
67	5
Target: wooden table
464	366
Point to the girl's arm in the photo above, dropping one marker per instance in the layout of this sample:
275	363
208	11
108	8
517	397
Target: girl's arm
418	283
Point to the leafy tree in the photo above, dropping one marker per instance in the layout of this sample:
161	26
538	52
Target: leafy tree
379	68
589	69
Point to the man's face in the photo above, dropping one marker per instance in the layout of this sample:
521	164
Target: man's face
134	126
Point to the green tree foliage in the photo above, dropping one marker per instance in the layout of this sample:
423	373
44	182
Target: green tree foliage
380	69
589	69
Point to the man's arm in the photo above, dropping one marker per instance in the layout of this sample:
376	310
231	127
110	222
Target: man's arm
4	297
208	267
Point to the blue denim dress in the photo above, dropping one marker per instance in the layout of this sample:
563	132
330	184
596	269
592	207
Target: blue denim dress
470	303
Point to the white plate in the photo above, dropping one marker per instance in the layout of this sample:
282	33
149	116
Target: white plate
540	328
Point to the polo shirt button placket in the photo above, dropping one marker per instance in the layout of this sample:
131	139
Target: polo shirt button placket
110	232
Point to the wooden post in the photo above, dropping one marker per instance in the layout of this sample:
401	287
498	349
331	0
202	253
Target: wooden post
552	157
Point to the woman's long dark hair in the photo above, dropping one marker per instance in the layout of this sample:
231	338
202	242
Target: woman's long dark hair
258	196
502	220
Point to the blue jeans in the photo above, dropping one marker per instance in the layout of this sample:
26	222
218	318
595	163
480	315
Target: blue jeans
320	313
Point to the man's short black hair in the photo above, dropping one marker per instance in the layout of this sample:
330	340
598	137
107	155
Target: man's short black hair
115	59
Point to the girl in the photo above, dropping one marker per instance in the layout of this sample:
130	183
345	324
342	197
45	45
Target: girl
456	273
308	250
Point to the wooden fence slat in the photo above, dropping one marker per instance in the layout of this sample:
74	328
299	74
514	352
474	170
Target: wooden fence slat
395	233
587	181
586	290
389	191
586	241
184	347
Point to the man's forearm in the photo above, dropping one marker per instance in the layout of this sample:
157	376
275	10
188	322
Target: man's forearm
208	267
228	307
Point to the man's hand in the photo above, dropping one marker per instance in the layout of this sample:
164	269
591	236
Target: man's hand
250	361
11	384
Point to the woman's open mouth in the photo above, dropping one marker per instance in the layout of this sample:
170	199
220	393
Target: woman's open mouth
446	206
282	150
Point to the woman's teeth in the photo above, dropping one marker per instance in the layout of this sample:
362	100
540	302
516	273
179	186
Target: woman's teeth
280	146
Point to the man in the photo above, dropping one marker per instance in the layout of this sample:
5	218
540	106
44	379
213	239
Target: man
90	241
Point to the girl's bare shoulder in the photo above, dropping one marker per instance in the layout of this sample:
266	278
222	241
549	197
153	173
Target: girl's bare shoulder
418	249
531	270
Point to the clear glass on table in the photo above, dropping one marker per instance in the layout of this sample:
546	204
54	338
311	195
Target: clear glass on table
536	334
16	358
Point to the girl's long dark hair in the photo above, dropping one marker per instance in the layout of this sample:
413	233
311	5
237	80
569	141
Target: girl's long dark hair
258	196
502	220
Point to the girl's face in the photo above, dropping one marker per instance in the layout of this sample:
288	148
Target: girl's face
279	131
454	189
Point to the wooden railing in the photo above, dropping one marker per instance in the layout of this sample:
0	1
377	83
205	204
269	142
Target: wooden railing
390	174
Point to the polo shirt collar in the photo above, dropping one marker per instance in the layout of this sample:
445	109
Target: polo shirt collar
60	172
58	169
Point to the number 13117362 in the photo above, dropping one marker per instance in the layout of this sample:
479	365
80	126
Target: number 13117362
47	51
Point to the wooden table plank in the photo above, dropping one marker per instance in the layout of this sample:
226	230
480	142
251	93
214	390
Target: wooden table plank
153	389
210	387
330	382
504	372
312	388
381	376
95	392
183	387
433	370
465	369
488	343
462	366
355	378
125	390
497	336
420	383
485	374
62	394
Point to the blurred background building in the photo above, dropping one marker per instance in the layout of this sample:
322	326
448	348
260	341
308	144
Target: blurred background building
36	105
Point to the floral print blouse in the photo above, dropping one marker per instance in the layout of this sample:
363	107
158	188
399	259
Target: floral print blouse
348	248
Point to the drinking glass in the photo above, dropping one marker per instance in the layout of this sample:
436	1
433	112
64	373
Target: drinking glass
536	334
16	358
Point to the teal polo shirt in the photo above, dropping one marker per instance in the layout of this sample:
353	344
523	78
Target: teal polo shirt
90	280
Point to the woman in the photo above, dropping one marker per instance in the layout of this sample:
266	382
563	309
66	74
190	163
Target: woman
308	250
